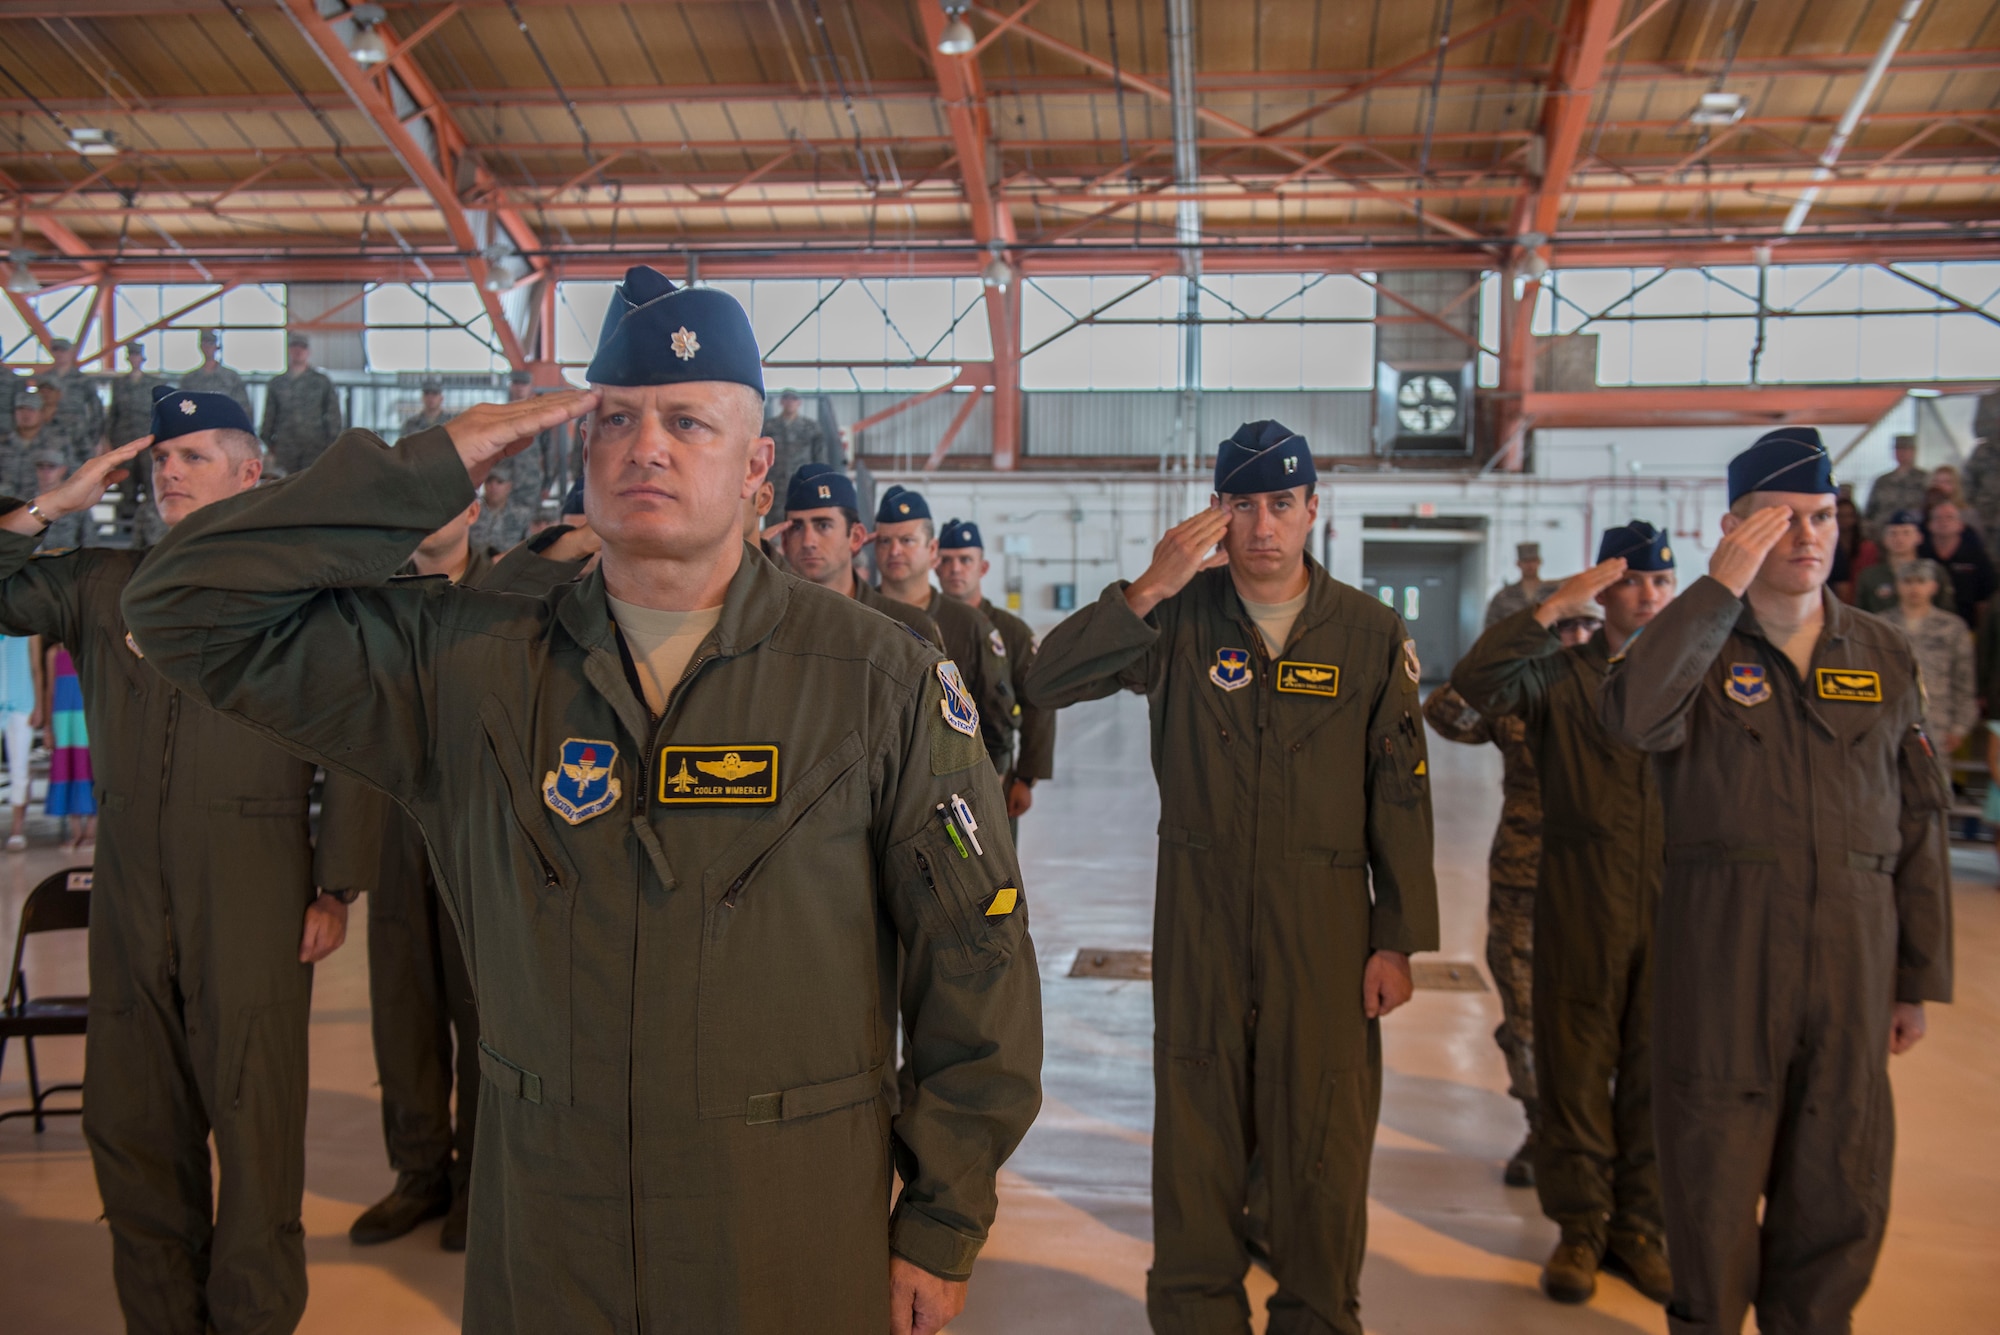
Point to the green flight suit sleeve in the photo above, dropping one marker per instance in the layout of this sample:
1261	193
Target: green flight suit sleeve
1102	649
1404	914
996	699
1455	720
1923	878
1036	758
274	608
971	994
347	849
37	596
1510	668
1646	699
526	570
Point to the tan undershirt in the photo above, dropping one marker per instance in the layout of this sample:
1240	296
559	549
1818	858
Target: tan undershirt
1797	642
1274	620
662	643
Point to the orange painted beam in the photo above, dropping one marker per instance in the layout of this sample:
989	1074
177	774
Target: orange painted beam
1713	405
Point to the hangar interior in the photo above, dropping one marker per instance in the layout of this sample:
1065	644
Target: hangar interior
1519	270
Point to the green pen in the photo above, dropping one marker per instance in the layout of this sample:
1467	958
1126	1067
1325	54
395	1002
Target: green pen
952	830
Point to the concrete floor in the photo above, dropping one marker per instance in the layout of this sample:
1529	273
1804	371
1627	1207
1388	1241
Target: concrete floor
1450	1248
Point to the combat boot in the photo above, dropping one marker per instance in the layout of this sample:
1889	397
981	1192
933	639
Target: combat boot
1571	1273
1641	1261
1521	1167
417	1197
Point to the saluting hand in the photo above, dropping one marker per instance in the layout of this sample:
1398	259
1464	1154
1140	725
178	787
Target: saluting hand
1184	553
489	432
1740	554
80	490
1577	595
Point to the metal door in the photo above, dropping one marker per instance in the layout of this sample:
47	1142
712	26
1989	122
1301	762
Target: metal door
1422	582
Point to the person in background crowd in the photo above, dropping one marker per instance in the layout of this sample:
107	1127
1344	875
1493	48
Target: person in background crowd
1982	469
1806	913
430	414
1963	555
1852	553
50	470
131	413
506	512
1899	490
550	458
797	438
821	533
72	796
1944	486
1875	584
17	718
21	441
78	416
211	376
301	409
1512	866
1524	592
1944	654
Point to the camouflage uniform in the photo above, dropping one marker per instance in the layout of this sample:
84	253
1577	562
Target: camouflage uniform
218	379
1512	869
416	422
1951	691
798	441
497	531
301	418
79	412
1980	483
132	406
1514	598
1893	492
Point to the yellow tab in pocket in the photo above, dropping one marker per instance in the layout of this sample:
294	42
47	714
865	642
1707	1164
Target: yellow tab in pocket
1003	902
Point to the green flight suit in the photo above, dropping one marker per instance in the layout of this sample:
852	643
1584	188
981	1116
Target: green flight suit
980	653
198	1002
1035	759
419	992
686	984
301	417
1288	791
1807	890
915	618
1599	888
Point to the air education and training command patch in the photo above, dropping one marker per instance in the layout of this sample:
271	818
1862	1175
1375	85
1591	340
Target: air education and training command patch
582	784
959	711
1747	684
1851	684
1308	678
718	775
1231	670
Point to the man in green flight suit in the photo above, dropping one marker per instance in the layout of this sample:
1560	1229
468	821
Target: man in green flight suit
683	811
961	565
1595	899
1805	916
906	550
1294	883
204	923
822	533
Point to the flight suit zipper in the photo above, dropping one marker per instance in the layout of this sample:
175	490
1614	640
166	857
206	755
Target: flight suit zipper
930	879
159	830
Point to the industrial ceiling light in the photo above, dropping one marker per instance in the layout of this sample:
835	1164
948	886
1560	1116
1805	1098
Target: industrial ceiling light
21	280
92	143
997	273
365	43
504	268
958	38
1717	109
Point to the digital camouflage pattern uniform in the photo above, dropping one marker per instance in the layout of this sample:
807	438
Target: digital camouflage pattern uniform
1295	840
686	982
1807	890
218	379
79	415
131	413
798	441
1951	686
1596	1169
1875	590
1511	871
1892	492
416	422
301	417
198	1002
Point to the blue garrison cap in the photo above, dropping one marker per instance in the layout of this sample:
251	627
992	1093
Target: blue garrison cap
959	533
1263	456
818	486
1643	547
900	505
1910	517
658	334
182	412
1788	459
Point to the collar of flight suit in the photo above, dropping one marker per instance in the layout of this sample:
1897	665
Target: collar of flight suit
1833	630
1322	599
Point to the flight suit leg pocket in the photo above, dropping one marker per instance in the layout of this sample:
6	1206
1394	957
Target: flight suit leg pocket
1333	1155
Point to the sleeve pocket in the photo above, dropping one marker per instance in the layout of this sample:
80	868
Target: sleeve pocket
973	912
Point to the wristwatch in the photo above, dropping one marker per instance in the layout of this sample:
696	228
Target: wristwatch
35	509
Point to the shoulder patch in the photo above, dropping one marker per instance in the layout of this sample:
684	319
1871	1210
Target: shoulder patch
957	706
953	747
999	645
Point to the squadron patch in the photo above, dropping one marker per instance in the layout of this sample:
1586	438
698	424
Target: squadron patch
1231	670
1411	667
1308	678
1747	684
1851	684
999	645
582	784
959	711
733	775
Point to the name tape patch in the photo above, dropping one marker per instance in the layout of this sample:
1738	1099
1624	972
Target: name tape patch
1852	684
734	775
1308	678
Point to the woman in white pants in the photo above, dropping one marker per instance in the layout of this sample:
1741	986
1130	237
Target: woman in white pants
17	704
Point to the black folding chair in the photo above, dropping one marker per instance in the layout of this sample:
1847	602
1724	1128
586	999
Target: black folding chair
59	904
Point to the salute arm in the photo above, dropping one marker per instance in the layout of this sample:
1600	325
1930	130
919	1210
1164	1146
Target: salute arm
271	606
1510	667
1647	697
1103	649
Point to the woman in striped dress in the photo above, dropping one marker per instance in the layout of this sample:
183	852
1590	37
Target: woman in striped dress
70	796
